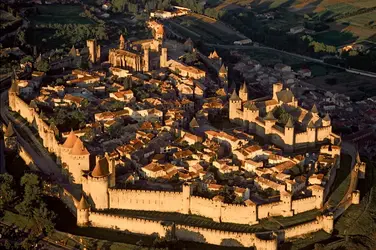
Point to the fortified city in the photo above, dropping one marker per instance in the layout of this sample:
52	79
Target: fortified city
140	131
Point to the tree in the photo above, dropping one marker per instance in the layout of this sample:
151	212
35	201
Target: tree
44	218
7	192
31	195
27	58
43	65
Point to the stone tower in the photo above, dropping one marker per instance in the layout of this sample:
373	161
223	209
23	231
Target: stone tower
98	183
163	58
94	50
234	106
122	42
83	209
289	135
146	62
243	92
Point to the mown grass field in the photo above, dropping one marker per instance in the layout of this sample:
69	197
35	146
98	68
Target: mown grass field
61	14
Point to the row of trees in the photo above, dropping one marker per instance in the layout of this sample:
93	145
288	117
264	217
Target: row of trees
136	6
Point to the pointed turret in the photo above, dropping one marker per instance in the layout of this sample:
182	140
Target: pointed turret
10	130
327	117
121	38
269	116
314	109
243	92
101	168
223	69
290	123
70	141
234	96
72	51
83	204
79	148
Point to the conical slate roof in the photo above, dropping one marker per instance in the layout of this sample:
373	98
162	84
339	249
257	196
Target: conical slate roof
70	141
290	123
83	203
326	117
314	109
121	38
311	125
101	168
194	123
10	130
234	96
269	116
79	148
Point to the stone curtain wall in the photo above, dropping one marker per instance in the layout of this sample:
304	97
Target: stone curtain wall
206	235
304	205
139	226
146	200
218	211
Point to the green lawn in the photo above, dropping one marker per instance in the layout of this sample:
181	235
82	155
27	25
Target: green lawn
62	14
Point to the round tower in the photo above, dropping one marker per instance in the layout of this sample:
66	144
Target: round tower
99	182
83	210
